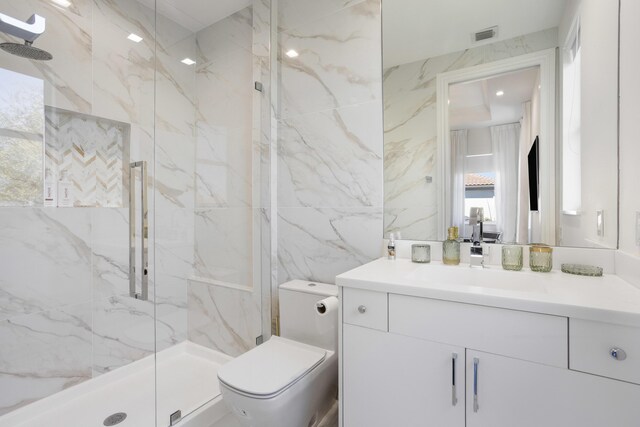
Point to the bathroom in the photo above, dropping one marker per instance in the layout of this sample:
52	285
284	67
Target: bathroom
208	210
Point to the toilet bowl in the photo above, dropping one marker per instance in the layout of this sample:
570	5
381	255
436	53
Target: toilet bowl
281	383
290	380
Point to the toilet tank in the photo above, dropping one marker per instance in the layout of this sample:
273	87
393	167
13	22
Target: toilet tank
299	320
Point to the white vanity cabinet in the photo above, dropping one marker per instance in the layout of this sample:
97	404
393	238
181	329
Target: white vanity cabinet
506	392
452	364
392	380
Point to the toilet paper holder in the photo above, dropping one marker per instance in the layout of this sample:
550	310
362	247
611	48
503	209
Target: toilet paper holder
326	305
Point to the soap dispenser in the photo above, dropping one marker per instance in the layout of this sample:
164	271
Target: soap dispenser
50	189
391	247
451	248
65	195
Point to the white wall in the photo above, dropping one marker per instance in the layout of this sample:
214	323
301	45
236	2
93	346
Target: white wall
629	121
599	107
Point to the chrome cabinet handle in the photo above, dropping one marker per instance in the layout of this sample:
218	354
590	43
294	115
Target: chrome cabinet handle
454	397
476	361
144	231
362	309
618	353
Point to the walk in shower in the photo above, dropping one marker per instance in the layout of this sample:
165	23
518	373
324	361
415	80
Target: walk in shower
134	205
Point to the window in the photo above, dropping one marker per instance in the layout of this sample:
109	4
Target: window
479	191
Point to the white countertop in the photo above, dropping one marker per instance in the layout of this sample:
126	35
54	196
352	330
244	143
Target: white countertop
605	299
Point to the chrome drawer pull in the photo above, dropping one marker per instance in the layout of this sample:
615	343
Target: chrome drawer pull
454	397
618	353
476	361
362	309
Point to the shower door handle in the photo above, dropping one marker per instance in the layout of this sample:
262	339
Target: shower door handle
144	232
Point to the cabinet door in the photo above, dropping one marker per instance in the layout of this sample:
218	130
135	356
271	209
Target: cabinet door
392	380
512	392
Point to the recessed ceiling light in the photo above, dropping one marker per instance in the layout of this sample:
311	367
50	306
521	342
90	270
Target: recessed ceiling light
134	38
500	93
291	53
62	3
188	61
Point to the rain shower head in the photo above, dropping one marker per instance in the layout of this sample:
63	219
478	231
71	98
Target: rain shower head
28	31
26	50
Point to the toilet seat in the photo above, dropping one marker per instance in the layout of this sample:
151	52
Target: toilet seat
271	368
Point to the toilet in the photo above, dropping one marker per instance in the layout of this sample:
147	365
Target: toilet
291	380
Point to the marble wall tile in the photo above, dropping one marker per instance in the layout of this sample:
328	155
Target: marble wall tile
338	63
410	130
123	332
329	163
224	245
174	170
416	221
174	256
222	318
68	37
332	158
46	259
293	13
226	36
175	83
225	112
266	276
110	252
320	243
224	166
227	87
123	81
261	23
44	353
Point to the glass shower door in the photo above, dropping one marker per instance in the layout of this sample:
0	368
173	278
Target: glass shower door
212	246
78	336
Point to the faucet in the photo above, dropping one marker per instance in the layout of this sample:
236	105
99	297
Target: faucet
476	218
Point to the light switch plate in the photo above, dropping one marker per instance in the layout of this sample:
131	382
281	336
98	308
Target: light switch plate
600	223
637	228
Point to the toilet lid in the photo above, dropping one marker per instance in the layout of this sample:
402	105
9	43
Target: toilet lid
271	367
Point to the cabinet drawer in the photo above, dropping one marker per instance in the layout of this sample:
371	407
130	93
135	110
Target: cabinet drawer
591	345
528	336
365	308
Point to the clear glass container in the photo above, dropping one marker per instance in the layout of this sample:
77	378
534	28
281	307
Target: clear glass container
512	257
541	258
421	252
451	248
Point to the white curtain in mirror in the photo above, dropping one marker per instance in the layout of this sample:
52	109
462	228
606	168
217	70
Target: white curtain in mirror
527	138
458	155
505	141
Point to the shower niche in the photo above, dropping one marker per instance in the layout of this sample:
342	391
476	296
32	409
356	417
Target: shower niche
42	145
93	154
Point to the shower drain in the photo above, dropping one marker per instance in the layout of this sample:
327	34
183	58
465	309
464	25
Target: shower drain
114	419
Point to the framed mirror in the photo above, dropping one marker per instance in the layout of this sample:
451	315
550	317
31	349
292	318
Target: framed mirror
495	113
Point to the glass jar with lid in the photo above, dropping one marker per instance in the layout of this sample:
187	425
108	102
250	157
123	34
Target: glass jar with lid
541	258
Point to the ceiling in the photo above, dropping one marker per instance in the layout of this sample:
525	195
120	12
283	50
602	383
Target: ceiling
420	29
197	14
476	104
